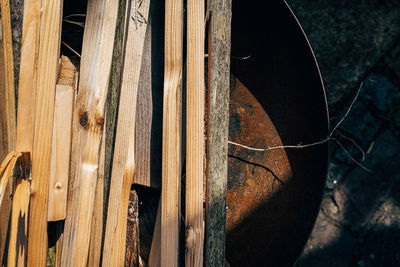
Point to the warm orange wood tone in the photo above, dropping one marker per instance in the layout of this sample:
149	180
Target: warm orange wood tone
195	134
61	145
171	150
87	128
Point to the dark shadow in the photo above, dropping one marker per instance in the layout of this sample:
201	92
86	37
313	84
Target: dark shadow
282	75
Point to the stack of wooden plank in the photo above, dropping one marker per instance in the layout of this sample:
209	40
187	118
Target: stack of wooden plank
83	134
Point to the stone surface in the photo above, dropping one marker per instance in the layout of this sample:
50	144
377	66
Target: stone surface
359	221
348	37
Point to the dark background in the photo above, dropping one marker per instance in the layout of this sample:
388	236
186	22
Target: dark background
357	43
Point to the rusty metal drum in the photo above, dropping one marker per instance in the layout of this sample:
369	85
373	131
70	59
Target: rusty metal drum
277	98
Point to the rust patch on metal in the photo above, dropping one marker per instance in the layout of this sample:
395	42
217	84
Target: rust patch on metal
253	176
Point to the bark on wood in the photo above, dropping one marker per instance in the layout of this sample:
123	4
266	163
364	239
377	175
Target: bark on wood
218	123
88	120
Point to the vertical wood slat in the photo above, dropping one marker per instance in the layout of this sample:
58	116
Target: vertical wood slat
106	150
87	127
123	162
195	133
61	145
5	199
218	125
48	62
7	104
171	152
19	219
144	110
25	115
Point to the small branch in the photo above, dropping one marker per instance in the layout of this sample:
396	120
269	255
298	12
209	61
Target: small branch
70	48
329	138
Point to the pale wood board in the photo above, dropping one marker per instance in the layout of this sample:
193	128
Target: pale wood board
26	106
155	251
19	223
27	75
7	104
87	127
48	62
96	232
123	163
218	126
5	201
106	150
171	146
61	145
195	152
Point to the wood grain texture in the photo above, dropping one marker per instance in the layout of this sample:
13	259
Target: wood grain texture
7	104
218	126
61	145
87	127
27	75
155	251
144	115
48	62
26	108
132	232
171	146
19	223
195	134
124	160
5	200
96	232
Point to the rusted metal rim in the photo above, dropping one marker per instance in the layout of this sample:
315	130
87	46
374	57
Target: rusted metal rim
277	98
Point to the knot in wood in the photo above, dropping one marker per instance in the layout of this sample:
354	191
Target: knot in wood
83	119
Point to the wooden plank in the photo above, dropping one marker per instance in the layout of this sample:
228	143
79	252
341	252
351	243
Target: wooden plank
25	112
123	163
19	223
7	105
87	125
218	125
144	110
171	152
48	62
155	251
27	77
97	221
5	200
20	208
195	133
61	145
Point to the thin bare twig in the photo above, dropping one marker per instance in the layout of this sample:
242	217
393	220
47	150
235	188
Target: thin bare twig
329	138
70	48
